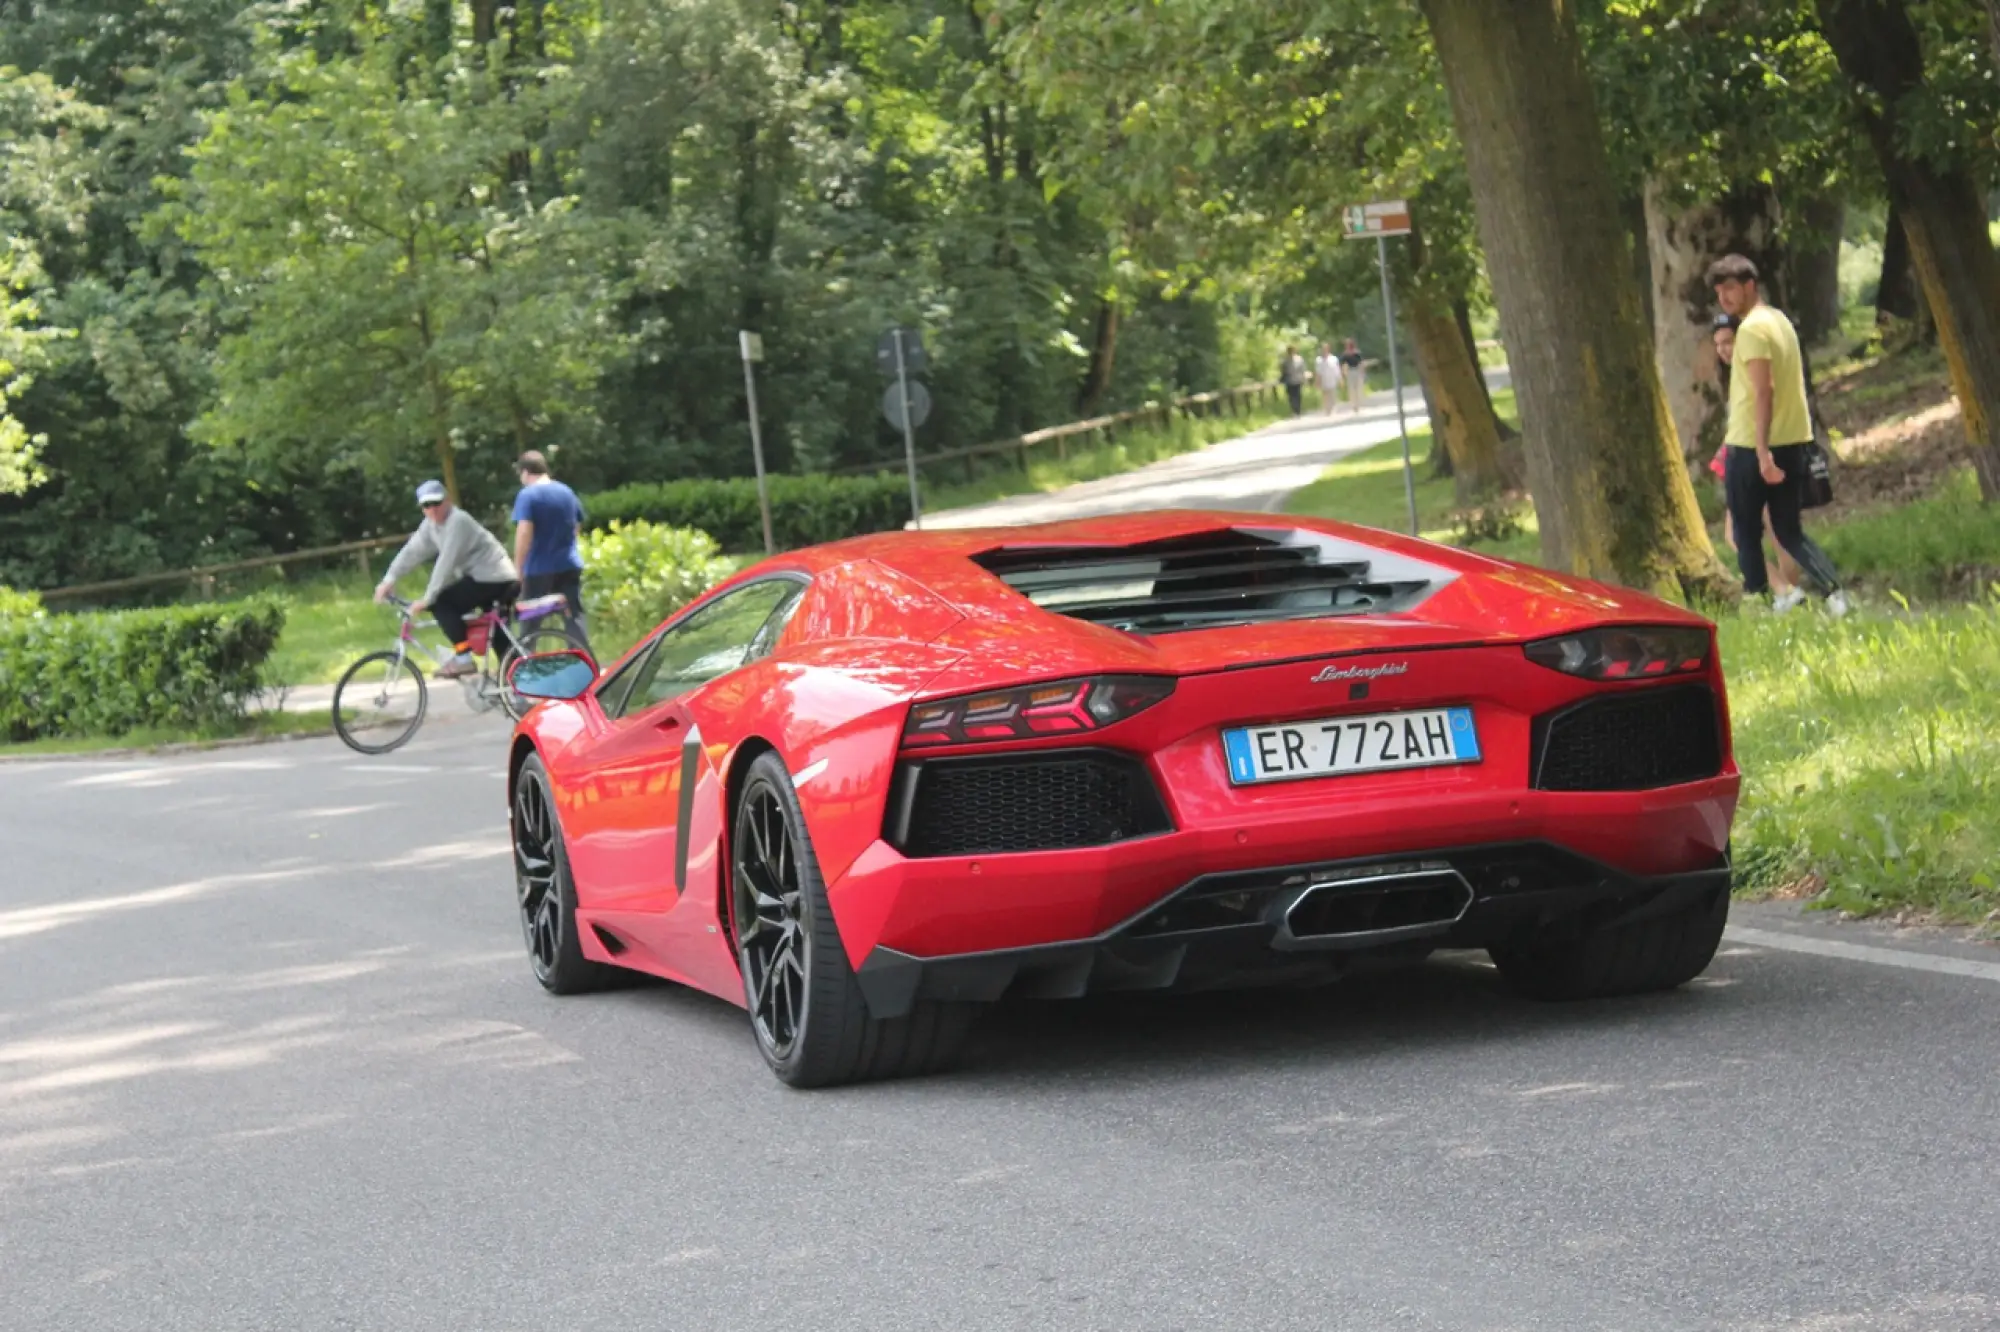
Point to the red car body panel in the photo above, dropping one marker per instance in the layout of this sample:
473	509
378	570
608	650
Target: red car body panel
893	619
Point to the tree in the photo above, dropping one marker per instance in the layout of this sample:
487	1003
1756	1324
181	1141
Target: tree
390	287
1937	201
1226	138
1613	499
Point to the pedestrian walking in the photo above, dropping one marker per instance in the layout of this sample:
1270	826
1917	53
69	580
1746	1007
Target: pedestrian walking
1769	429
548	527
1292	374
1326	370
1356	376
1786	576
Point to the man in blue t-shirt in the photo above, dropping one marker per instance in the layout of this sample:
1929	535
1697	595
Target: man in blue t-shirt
548	518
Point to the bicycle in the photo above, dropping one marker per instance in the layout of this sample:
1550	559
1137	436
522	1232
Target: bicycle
385	693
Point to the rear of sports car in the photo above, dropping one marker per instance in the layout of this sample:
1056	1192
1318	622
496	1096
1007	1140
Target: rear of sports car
1253	755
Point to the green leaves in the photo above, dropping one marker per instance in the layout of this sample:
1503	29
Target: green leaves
108	673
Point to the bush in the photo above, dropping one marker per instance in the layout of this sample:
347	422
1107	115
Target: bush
19	605
805	510
638	573
109	673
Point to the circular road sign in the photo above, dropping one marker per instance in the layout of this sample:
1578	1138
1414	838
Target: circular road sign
920	404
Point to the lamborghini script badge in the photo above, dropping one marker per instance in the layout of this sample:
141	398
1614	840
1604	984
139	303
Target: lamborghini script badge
1360	672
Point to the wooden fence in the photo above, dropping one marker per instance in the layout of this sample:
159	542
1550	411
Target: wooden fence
1222	402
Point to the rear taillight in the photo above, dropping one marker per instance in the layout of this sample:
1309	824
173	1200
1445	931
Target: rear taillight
1625	653
1065	707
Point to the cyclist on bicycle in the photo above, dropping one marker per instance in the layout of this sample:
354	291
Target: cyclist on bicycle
472	572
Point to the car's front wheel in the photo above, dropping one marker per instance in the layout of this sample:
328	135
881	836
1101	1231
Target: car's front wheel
806	1009
1634	957
545	892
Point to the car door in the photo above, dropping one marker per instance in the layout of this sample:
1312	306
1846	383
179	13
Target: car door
630	776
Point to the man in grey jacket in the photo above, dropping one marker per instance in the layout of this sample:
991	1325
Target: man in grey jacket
472	572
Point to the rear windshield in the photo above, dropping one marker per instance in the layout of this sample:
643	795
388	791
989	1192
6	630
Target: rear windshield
1212	579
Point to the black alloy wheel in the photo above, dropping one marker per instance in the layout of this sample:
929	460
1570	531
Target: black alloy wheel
546	897
807	1012
770	935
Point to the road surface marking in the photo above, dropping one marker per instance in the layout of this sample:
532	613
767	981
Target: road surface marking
1854	952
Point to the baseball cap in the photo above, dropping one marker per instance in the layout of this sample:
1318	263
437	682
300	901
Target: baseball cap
430	492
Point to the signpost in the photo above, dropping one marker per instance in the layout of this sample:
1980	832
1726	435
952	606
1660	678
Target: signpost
900	351
752	347
1383	219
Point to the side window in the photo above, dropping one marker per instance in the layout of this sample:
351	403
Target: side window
713	641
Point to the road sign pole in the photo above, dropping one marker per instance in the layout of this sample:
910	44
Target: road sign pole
752	346
909	433
1396	374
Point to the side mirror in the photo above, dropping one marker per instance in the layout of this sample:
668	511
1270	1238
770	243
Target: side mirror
552	675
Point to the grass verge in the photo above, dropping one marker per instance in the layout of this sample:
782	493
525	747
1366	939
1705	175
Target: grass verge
257	725
1367	488
1870	749
1130	450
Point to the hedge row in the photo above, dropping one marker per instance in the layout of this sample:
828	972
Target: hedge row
805	510
112	672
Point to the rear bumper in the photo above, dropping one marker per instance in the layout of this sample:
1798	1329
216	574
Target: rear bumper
1237	928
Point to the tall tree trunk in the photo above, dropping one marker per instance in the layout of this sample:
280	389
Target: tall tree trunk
1637	232
1462	417
1604	466
1896	295
1103	356
1682	241
1941	210
1813	241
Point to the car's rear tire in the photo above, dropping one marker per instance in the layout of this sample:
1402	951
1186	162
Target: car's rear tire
1636	957
807	1013
546	893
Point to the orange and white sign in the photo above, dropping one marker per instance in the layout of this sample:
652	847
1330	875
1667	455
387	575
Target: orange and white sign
1385	217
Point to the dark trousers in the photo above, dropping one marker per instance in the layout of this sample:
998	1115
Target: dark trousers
1296	392
1749	494
468	597
569	582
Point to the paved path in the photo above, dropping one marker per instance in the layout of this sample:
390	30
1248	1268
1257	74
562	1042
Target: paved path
1253	472
270	1058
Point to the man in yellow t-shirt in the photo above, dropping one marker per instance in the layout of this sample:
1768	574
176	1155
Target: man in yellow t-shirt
1769	429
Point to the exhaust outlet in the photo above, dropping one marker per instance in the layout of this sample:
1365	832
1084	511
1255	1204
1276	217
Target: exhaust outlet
1375	904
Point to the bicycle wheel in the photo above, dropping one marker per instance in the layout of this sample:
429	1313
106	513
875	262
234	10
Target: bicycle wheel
539	637
379	704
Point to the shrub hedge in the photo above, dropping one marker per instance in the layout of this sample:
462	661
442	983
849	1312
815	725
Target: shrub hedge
636	574
805	510
112	672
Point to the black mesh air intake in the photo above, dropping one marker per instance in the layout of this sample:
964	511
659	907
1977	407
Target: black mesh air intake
1022	802
1630	742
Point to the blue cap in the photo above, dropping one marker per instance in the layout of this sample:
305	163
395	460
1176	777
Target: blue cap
430	492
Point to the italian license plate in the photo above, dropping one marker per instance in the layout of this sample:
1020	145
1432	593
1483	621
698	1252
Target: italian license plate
1338	746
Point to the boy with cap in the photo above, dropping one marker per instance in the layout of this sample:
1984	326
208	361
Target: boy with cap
471	574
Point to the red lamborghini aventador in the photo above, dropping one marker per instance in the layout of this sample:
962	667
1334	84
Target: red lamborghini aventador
864	788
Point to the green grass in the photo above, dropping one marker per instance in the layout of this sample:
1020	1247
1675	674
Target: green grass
1945	545
1367	488
1131	449
258	724
329	621
1871	756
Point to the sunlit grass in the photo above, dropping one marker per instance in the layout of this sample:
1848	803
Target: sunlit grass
256	724
1129	450
1367	488
1871	755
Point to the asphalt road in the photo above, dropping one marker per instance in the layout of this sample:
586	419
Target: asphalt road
270	1059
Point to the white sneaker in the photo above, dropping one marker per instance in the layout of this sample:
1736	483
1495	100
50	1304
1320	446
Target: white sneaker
1836	605
461	664
1787	600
